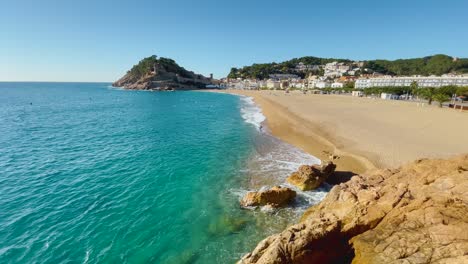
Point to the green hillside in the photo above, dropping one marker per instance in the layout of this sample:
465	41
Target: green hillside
431	65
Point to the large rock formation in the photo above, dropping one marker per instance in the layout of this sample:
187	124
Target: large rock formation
276	197
161	74
310	177
415	214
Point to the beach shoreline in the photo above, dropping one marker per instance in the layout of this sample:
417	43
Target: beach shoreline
351	129
308	137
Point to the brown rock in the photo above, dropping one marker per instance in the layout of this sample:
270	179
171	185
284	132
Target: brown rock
162	75
415	214
276	197
310	177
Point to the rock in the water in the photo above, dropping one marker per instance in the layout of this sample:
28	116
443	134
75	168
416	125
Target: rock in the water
310	177
276	197
226	225
161	74
415	214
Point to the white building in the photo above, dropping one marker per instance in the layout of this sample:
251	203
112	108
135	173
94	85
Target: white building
343	67
431	81
333	74
322	84
242	84
337	85
335	66
301	67
388	96
281	76
252	85
271	84
332	66
296	84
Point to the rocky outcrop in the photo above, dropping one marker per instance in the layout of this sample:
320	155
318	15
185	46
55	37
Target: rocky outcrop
415	214
310	177
161	74
275	197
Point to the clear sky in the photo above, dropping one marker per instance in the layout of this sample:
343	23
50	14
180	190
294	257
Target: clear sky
99	40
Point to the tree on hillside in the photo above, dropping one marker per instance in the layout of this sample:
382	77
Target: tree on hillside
349	85
437	64
234	73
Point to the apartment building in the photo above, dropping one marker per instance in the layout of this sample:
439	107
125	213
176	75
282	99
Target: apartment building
406	81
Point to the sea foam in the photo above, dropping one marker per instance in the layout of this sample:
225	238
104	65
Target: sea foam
274	160
251	113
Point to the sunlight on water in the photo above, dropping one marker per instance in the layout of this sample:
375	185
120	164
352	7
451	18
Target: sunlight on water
92	174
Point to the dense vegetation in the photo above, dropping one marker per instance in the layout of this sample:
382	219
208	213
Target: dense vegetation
146	65
432	65
437	65
263	70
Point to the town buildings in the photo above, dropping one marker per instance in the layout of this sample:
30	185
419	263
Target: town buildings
337	85
431	81
322	84
280	77
336	75
301	67
271	84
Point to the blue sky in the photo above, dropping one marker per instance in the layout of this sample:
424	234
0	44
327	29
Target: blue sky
92	40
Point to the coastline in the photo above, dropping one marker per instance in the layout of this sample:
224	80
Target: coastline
305	135
308	136
364	133
355	217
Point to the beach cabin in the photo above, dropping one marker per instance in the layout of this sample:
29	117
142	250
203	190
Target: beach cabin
315	91
357	93
388	96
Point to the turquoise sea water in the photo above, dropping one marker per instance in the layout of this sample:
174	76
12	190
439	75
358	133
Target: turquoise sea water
91	174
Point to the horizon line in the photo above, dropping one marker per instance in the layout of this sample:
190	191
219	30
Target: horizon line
55	81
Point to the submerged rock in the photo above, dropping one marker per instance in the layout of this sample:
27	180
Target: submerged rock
275	197
227	225
415	214
311	177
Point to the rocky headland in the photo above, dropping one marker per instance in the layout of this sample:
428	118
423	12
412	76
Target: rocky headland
417	213
161	74
275	197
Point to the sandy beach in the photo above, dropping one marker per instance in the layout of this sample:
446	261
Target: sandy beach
365	133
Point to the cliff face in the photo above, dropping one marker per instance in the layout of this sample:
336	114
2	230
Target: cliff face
415	214
161	74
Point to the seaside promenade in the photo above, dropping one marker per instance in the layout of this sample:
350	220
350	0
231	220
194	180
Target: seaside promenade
365	133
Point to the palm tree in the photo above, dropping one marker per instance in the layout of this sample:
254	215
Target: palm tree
414	88
441	98
428	93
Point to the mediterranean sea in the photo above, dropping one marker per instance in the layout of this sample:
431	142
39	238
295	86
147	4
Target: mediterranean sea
93	174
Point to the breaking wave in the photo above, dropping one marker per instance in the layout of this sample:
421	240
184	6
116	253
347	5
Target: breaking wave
273	161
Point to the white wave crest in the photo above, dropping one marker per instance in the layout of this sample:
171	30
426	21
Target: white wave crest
251	113
273	161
